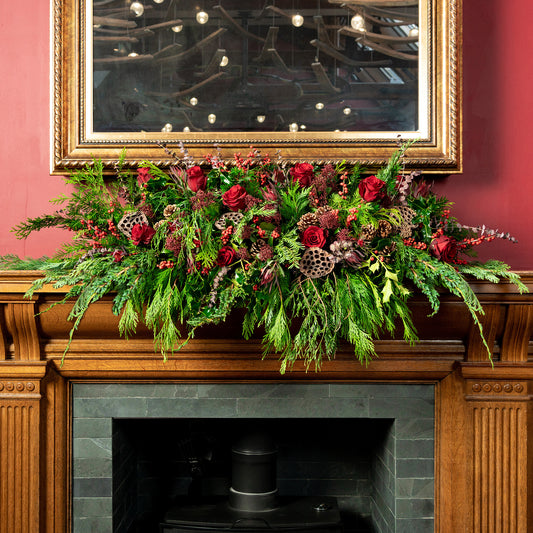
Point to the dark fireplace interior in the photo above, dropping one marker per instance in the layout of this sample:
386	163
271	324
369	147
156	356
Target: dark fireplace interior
162	465
140	452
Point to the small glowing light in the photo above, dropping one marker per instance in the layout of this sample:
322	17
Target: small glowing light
186	129
224	61
303	127
159	1
96	26
297	20
212	118
137	9
193	100
358	23
177	28
261	118
167	127
202	17
319	105
337	131
133	54
413	32
293	127
346	110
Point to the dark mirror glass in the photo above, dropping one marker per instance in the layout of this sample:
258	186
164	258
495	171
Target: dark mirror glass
255	65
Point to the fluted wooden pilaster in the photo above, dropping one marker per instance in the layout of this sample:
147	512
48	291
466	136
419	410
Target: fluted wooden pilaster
20	446
501	455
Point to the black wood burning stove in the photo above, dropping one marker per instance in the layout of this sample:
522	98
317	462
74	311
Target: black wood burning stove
253	504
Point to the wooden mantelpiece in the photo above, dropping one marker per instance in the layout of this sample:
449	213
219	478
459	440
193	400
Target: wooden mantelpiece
484	425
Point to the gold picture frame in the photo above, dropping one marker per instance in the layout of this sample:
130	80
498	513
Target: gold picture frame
438	134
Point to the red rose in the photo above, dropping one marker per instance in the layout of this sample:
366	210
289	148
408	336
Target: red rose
371	189
314	236
444	248
303	173
196	179
235	198
142	234
226	256
143	175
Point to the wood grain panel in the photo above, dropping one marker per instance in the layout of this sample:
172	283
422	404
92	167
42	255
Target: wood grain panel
500	468
19	466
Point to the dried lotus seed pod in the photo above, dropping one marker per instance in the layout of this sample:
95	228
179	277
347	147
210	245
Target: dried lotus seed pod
316	263
230	216
129	220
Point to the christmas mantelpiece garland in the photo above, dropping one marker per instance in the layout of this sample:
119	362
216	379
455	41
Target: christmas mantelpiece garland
331	248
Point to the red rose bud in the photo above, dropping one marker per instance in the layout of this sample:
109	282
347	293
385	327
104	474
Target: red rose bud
142	234
226	256
196	179
143	175
303	173
444	248
372	189
313	237
235	198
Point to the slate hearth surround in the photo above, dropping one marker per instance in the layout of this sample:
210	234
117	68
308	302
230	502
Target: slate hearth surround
397	498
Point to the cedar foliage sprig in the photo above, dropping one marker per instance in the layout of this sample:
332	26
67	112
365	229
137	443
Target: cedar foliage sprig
315	256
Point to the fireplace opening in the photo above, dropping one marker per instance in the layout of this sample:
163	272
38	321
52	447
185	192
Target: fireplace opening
140	450
167	466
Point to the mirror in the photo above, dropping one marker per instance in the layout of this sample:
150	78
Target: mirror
313	80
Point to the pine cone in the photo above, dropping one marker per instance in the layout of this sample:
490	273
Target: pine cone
256	246
384	228
309	219
368	232
169	210
322	210
387	251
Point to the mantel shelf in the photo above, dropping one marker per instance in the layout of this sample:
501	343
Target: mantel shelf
483	411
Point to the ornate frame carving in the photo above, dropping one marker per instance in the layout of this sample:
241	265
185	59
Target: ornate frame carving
437	150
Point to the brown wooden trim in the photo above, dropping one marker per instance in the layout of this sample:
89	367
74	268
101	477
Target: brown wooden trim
484	448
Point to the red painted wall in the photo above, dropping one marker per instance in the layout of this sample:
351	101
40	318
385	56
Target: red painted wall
496	188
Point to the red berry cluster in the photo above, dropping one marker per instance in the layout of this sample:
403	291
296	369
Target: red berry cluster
415	244
262	178
352	217
166	264
204	270
343	193
112	228
226	234
476	241
93	232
